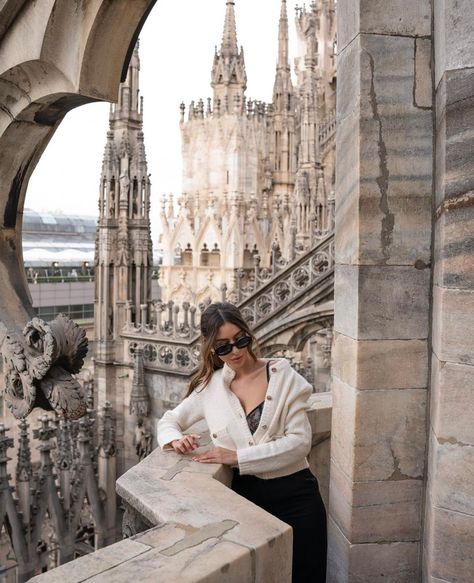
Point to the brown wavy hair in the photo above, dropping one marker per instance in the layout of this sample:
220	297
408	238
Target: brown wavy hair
213	317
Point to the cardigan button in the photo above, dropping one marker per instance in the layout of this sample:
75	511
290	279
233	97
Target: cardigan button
214	435
269	397
250	442
274	369
264	426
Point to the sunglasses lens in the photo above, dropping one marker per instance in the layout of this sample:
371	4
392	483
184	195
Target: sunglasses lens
224	349
243	342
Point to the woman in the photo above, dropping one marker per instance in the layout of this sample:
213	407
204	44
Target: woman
256	413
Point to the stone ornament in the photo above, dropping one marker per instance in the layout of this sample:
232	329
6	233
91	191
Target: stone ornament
40	368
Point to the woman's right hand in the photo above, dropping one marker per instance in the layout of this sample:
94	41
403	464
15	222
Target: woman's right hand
186	444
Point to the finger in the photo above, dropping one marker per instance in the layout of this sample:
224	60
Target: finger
181	448
190	443
185	443
201	458
206	457
194	440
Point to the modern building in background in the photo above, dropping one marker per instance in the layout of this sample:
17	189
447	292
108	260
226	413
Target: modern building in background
59	256
58	252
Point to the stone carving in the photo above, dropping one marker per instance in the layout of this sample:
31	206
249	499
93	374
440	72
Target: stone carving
133	522
39	369
64	499
142	439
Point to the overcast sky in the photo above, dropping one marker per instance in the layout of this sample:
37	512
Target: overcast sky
176	52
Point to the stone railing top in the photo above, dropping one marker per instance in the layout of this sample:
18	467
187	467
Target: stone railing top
204	531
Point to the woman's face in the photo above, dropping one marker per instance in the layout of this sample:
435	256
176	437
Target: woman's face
231	333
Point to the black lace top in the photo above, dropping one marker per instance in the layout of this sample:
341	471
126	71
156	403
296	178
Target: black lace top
253	418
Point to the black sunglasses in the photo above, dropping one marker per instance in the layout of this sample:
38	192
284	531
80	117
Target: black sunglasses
226	348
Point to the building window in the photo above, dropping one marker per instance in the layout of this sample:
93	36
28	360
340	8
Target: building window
74	311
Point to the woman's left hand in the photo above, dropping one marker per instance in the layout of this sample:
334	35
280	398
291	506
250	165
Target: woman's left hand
218	455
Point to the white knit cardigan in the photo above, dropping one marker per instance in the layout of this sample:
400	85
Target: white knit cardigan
282	440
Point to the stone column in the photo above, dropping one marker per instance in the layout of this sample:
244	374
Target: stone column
382	290
449	530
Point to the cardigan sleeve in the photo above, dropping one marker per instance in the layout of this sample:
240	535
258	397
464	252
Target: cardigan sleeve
174	422
284	451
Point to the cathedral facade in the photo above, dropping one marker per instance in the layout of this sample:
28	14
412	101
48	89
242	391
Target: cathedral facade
255	175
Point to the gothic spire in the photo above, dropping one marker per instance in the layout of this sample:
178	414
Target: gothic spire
283	38
228	77
129	105
124	238
229	38
283	87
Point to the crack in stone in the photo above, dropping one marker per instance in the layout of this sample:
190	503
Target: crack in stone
213	530
456	202
397	474
388	221
453	441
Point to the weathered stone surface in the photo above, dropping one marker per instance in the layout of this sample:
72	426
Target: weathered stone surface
380	364
209	562
451	474
195	499
319	464
369	306
101	561
371	563
454	46
320	413
389	222
347	241
452	401
453	325
400	17
454	140
343	425
454	255
379	511
452	558
378	435
423	77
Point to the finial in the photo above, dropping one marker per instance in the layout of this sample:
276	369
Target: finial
23	466
139	400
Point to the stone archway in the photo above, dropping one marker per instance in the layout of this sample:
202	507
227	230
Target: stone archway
55	55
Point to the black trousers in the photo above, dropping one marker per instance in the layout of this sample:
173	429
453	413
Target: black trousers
296	500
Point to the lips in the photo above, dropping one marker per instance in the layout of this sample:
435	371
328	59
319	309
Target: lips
236	359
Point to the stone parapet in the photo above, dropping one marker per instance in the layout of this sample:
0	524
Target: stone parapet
201	530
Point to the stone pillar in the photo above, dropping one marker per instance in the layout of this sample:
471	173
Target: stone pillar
382	290
449	530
